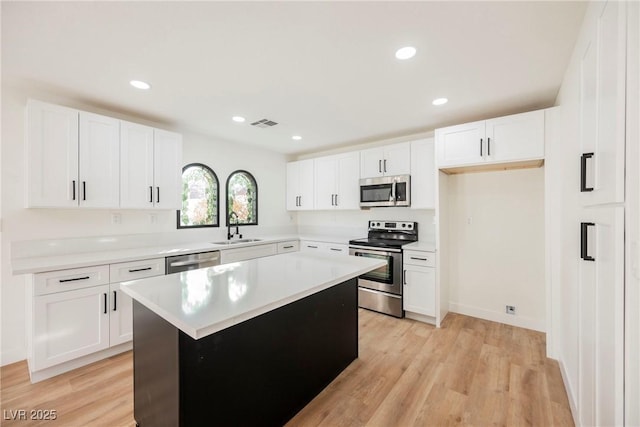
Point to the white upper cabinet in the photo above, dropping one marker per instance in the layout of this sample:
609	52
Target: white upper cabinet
72	158
336	181
460	145
515	138
76	158
167	169
136	166
52	155
423	174
389	160
300	185
602	109
99	161
151	172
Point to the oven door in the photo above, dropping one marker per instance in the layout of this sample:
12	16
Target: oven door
387	278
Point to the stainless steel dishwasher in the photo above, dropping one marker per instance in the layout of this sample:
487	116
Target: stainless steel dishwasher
178	263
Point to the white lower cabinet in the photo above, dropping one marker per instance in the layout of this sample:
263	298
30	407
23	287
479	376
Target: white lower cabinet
68	325
324	247
288	246
249	252
419	280
120	316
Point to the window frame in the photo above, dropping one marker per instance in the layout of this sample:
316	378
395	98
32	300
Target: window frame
226	199
216	182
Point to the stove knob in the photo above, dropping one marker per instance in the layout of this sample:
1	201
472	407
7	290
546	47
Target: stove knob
410	225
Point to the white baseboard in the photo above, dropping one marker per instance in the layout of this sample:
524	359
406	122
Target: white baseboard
420	318
7	357
508	319
570	394
52	371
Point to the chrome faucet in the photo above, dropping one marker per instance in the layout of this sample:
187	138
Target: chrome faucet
237	233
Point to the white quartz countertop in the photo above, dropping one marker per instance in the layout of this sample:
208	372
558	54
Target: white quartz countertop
89	258
420	246
202	302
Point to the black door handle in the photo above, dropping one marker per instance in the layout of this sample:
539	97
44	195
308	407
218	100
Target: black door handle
380	166
74	189
157	194
105	302
488	146
480	147
583	172
115	300
84	190
150	194
584	242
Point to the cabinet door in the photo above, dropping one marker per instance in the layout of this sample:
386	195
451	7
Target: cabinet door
515	137
461	145
371	162
306	187
602	108
99	164
293	186
52	155
423	174
397	159
347	181
167	169
70	324
420	290
136	166
120	316
326	172
601	317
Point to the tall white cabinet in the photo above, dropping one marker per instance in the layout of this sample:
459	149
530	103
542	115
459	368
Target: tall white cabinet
336	181
300	185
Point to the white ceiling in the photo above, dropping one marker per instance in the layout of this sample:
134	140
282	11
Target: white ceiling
323	70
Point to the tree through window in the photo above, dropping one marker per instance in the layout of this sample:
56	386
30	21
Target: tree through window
242	198
199	197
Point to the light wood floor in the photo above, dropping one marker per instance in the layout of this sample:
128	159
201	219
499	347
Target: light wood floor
469	372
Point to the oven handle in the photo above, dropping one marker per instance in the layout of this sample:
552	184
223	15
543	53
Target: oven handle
368	250
360	288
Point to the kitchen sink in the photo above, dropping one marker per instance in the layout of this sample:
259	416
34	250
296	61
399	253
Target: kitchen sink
233	242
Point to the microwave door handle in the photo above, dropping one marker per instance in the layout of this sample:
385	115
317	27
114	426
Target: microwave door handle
393	192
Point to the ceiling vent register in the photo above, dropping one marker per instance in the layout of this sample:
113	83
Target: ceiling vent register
264	123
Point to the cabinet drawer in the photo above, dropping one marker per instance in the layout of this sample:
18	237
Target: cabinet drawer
68	280
132	270
337	249
290	246
241	254
307	245
420	258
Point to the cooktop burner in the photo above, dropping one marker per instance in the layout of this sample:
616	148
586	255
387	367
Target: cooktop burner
389	234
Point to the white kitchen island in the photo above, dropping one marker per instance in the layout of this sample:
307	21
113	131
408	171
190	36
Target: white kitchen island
246	343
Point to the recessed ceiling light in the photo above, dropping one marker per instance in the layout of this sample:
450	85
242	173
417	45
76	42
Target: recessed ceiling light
138	84
238	119
440	101
296	137
406	52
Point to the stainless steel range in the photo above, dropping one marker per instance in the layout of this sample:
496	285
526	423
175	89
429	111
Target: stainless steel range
381	289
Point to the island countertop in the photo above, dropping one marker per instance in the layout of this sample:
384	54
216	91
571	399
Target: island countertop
202	302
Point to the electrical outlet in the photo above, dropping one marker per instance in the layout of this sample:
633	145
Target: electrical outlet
510	309
153	218
116	218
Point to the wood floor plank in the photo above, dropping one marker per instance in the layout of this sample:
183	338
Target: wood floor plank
469	372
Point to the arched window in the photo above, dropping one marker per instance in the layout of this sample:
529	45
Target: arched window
199	197
242	198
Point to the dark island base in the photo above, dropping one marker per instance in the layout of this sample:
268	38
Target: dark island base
258	373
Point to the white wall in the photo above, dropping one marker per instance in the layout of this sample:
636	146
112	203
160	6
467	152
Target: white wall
496	246
35	224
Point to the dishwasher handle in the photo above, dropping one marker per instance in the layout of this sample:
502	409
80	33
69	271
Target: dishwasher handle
194	262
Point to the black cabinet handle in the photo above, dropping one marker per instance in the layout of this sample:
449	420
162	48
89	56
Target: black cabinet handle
336	200
74	279
380	166
287	247
480	147
404	277
115	301
488	146
84	190
300	201
150	194
157	194
418	259
139	269
74	189
336	249
105	302
385	165
583	172
313	247
584	243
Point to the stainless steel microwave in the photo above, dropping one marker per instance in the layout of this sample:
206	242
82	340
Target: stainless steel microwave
385	191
